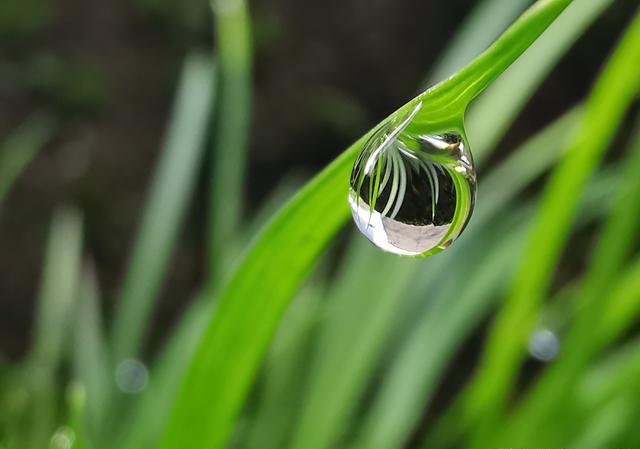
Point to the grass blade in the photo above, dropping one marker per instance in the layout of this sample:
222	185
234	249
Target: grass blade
92	366
150	413
483	25
612	94
233	27
257	294
285	373
490	116
171	190
57	293
597	322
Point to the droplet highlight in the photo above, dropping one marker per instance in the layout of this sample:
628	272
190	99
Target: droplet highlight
410	193
131	376
544	345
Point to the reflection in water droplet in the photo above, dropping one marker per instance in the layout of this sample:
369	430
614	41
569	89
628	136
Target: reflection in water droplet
62	439
412	194
131	376
544	345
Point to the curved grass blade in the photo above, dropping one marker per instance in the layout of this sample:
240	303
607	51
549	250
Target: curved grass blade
540	153
490	116
612	94
171	190
257	294
483	25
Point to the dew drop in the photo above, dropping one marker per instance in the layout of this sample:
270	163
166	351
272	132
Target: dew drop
410	193
544	345
131	376
63	438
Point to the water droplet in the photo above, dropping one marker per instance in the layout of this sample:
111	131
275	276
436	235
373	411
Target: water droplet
63	438
131	376
412	194
544	345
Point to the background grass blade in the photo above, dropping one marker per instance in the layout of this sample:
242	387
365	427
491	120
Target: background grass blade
490	116
21	147
233	116
483	25
593	328
171	190
611	96
285	373
257	294
91	359
57	294
149	414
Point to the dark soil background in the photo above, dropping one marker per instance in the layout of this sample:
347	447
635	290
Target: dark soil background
325	71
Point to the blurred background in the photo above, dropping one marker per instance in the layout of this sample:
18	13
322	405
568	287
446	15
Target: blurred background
87	87
105	73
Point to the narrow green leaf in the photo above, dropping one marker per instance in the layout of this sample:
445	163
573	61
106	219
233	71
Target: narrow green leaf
483	25
233	116
150	412
597	322
57	293
257	294
324	416
490	117
611	96
285	372
91	358
169	196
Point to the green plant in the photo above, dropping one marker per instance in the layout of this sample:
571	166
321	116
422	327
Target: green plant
357	357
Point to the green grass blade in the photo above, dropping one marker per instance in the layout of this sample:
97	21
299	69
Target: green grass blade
171	190
337	377
406	387
597	322
19	149
285	373
272	203
490	116
233	115
377	316
612	94
92	366
253	301
57	293
150	412
76	398
483	25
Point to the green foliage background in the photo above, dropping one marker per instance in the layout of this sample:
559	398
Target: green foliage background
277	351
